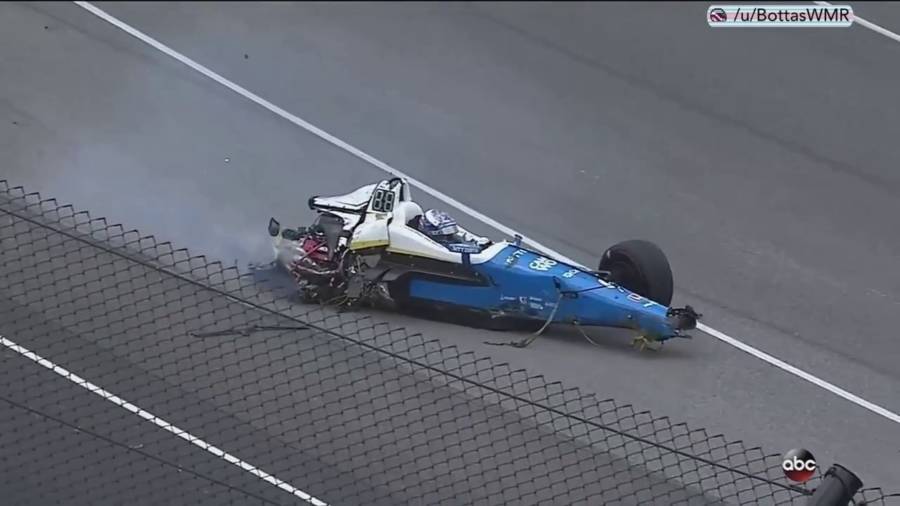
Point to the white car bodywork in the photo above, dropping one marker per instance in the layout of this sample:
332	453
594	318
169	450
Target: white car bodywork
384	227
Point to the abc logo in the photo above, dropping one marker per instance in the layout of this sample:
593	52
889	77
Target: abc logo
798	465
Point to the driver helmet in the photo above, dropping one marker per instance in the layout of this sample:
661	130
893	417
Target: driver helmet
438	224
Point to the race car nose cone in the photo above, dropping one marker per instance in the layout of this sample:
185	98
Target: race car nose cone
683	318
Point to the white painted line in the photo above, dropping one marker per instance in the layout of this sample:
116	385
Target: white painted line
159	422
304	124
800	373
459	205
870	25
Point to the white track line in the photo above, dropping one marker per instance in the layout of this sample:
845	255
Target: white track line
159	422
459	205
870	25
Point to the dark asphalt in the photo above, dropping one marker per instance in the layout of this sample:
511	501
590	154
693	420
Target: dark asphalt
763	161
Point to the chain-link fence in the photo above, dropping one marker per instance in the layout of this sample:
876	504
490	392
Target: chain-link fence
134	373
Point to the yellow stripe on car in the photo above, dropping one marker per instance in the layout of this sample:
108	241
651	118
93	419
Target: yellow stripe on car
355	245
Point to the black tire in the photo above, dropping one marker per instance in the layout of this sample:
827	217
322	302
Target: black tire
640	266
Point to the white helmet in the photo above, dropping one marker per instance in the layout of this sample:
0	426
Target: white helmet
438	223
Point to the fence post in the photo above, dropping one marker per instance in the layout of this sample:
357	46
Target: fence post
837	488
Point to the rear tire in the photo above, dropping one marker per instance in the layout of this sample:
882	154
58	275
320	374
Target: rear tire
641	267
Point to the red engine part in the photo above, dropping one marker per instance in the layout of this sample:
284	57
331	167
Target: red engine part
315	249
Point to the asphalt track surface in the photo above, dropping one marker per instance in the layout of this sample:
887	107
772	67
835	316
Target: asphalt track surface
762	161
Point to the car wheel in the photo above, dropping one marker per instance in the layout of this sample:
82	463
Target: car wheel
641	267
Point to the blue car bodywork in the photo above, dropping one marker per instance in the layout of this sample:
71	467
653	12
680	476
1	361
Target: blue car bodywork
376	224
520	283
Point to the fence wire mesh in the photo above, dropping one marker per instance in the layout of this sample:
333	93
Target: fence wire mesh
135	373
